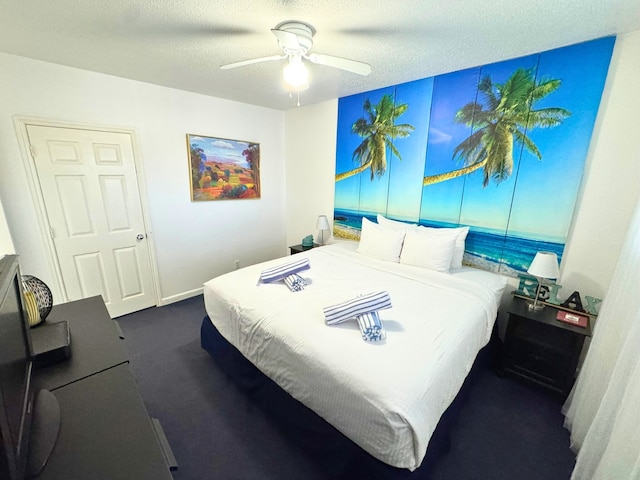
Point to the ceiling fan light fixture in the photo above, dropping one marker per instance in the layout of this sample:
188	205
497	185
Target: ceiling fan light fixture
295	39
295	73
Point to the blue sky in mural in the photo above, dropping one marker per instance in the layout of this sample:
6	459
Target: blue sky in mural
389	194
535	203
546	186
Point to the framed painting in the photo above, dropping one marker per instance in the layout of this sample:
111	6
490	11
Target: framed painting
223	169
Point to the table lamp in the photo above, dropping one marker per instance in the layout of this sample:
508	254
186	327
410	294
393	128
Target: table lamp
322	224
544	265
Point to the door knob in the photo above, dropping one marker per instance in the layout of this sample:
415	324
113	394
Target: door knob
140	236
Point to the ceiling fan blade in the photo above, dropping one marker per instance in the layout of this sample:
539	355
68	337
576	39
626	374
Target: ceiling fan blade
253	60
338	62
287	39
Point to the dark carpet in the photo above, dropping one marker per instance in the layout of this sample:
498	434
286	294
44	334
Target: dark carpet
504	430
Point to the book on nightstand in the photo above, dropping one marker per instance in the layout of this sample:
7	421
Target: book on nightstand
573	318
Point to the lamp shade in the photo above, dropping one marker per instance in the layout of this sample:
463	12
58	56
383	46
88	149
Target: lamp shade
296	74
322	223
544	265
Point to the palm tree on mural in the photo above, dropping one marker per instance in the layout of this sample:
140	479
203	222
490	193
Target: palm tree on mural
378	130
509	116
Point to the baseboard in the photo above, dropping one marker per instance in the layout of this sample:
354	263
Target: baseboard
180	296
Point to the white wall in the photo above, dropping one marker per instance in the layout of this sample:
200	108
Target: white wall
6	244
608	194
310	134
611	183
193	241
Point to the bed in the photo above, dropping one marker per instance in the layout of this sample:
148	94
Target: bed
387	397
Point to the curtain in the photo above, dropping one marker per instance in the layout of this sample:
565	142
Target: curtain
603	410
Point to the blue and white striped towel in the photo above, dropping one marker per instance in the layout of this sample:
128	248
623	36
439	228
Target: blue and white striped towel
370	302
371	327
295	282
274	274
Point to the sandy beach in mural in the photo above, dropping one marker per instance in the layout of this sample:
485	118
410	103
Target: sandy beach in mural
347	233
476	261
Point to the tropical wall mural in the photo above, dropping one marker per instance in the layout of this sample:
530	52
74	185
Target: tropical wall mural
500	148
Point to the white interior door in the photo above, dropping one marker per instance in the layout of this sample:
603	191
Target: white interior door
90	190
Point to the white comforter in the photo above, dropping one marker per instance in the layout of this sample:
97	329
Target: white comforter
387	397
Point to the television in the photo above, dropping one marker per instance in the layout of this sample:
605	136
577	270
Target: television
29	423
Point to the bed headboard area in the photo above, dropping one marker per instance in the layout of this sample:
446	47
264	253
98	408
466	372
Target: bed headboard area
499	148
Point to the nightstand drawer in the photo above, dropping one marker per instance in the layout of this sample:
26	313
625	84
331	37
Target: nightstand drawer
537	362
547	337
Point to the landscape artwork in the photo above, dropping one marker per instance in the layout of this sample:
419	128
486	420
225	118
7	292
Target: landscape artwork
500	148
223	169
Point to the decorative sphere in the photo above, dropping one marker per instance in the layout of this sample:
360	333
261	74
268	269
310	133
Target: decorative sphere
44	299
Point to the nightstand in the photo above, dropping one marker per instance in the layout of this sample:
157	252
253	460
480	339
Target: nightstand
299	248
541	349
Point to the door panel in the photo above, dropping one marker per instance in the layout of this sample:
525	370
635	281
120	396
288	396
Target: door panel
91	276
89	185
128	268
114	199
72	194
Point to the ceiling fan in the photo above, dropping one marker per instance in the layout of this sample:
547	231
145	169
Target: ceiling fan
295	38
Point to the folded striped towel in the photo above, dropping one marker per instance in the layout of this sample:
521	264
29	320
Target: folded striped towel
370	302
274	274
371	327
295	282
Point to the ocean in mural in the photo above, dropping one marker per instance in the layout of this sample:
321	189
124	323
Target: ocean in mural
483	246
500	148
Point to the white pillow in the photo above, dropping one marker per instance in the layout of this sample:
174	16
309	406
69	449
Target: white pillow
460	234
395	224
427	249
380	242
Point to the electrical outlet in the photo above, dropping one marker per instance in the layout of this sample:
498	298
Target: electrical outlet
236	263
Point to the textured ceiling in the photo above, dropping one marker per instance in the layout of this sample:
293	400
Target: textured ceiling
181	43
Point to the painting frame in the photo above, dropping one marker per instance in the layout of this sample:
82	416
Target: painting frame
222	168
